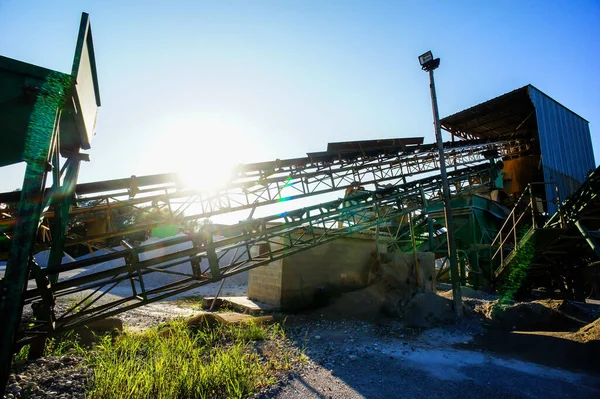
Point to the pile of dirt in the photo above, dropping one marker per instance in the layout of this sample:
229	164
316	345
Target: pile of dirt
428	309
541	315
468	292
378	300
399	272
395	285
363	304
397	293
588	333
206	321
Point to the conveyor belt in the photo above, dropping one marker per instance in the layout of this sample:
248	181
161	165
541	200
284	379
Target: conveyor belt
401	177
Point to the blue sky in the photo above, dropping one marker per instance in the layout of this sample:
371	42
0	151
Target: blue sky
200	85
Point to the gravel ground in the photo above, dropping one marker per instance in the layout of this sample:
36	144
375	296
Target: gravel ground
356	359
50	377
385	360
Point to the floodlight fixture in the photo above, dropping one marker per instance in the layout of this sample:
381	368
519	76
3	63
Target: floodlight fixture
428	63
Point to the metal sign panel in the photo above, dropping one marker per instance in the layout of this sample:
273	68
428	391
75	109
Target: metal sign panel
83	110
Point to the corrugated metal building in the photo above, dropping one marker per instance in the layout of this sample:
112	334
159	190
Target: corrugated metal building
562	139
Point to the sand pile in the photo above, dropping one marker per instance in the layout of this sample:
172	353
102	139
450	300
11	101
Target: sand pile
542	315
468	292
363	304
209	321
588	333
395	293
428	309
398	271
378	300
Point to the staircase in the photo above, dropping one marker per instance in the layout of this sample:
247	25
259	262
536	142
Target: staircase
527	218
565	243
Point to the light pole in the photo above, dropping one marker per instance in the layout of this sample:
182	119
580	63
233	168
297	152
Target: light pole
428	63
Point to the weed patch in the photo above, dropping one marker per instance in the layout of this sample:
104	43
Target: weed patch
228	361
23	353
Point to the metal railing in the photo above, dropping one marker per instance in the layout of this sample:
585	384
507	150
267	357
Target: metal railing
529	214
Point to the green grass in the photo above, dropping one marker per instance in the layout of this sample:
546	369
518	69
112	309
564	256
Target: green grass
173	362
23	353
56	346
61	345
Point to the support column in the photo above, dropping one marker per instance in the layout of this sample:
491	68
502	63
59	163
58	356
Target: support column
39	137
64	197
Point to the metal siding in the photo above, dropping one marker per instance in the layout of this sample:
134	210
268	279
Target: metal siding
565	144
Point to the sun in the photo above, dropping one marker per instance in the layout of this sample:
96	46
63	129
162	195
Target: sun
203	148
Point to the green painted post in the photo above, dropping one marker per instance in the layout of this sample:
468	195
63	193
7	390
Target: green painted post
38	143
64	197
62	201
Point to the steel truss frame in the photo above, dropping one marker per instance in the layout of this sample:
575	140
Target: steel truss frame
278	236
251	186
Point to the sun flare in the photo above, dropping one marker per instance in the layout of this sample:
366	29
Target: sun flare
203	148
